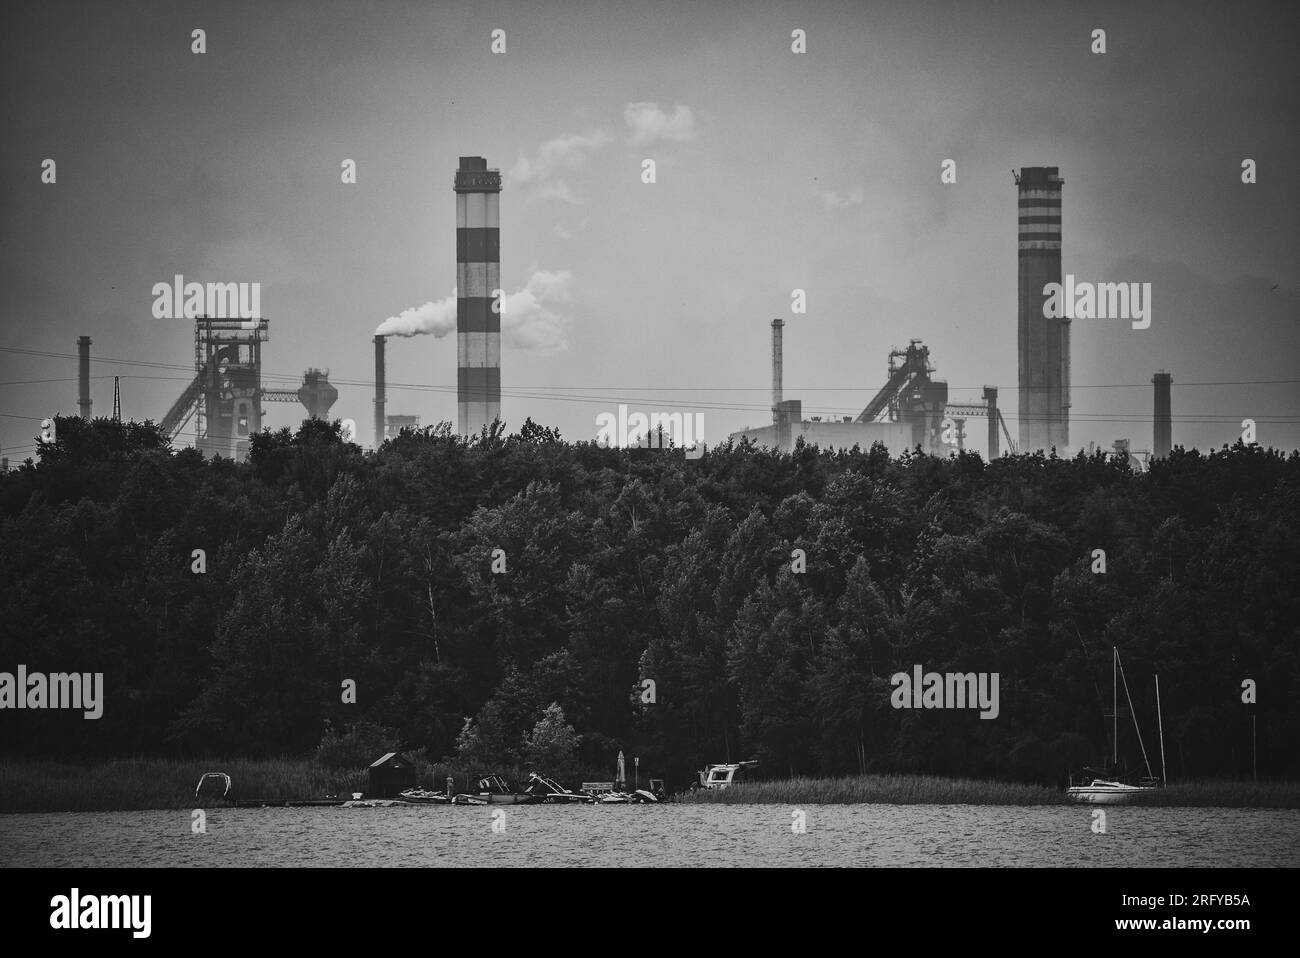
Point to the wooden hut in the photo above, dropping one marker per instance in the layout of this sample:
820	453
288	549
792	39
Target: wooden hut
390	774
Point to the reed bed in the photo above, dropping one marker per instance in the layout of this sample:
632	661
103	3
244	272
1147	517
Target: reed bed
932	790
154	783
39	785
137	783
1224	793
881	790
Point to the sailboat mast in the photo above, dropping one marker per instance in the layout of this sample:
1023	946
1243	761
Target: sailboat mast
1114	707
1132	711
1160	718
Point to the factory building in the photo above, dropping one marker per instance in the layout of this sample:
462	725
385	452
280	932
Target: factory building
478	276
1043	343
907	412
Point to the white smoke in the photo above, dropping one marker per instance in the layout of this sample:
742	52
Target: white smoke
536	318
436	319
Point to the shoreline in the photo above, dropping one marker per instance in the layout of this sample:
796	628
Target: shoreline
36	786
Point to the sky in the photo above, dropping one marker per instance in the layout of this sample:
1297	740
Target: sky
775	171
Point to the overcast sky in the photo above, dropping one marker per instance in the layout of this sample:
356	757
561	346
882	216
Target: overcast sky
776	171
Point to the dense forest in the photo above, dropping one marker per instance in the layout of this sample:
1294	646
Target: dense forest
326	563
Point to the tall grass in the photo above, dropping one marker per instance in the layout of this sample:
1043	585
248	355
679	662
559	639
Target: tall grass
142	783
931	790
880	789
1225	794
136	783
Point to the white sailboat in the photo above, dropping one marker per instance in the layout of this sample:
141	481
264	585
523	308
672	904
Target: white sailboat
1104	791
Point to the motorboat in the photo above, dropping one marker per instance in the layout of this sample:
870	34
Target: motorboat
721	776
493	790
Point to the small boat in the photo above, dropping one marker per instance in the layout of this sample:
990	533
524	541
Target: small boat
542	789
493	790
1109	790
1102	792
423	796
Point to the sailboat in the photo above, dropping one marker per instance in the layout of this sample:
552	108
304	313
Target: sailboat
1108	791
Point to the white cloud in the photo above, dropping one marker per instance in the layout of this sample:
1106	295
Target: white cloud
557	190
649	123
854	197
568	152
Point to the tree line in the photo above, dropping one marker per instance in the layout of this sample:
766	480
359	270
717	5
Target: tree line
766	598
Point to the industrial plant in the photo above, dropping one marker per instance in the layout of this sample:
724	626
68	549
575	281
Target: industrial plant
911	410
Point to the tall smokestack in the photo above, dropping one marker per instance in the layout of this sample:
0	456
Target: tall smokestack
777	326
380	386
991	401
478	276
1043	343
1162	426
83	377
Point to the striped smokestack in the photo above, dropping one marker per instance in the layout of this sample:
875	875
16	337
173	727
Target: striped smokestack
1044	344
381	389
83	377
478	277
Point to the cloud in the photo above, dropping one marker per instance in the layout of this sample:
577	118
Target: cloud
563	153
649	123
536	318
557	190
567	231
854	197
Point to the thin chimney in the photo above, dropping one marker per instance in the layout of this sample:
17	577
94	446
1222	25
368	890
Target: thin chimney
380	396
83	377
777	326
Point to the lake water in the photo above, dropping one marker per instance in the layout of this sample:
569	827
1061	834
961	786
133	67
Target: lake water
670	834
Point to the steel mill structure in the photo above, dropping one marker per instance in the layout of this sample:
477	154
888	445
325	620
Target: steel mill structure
224	399
478	279
1043	343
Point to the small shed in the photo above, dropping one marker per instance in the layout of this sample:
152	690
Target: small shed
390	774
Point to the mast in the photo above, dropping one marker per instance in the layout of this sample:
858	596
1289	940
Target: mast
1137	728
1114	707
1164	776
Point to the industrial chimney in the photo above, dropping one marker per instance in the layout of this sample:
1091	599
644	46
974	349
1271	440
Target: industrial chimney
777	326
991	402
1162	426
478	277
83	377
380	397
1043	343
